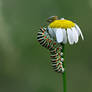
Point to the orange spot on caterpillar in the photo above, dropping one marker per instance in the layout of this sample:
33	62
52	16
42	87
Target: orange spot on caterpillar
59	54
40	40
56	60
57	48
45	36
61	66
49	41
60	59
42	33
58	64
54	43
48	46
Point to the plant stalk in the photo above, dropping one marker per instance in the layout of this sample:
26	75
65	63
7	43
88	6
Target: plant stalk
64	74
64	79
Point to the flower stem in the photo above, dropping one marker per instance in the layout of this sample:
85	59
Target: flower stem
64	80
64	74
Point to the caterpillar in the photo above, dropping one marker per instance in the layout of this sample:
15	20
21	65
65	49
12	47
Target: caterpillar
56	49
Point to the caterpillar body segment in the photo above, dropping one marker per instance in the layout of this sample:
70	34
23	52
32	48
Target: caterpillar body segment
56	49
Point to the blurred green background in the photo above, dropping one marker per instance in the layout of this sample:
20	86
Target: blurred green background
24	65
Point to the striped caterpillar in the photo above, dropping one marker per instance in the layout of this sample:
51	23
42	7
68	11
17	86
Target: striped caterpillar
56	49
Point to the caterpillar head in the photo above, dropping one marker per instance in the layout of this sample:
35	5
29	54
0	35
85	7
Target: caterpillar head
52	18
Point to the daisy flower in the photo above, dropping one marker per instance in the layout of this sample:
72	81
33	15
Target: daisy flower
63	30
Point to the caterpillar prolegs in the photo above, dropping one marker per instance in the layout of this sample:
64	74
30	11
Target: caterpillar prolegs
56	49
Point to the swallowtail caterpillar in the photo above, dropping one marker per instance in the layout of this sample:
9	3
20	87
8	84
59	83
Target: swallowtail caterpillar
56	49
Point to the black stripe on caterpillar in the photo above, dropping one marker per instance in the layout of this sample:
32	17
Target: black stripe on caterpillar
56	50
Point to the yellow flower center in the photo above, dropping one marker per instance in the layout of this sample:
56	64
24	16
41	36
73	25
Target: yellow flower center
62	24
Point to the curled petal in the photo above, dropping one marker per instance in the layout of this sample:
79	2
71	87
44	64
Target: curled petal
79	30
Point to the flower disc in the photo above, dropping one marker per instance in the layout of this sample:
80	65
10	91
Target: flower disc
62	24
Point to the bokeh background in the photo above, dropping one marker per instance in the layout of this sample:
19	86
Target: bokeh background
24	65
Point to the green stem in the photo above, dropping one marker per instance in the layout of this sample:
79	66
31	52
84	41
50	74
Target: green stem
64	74
64	79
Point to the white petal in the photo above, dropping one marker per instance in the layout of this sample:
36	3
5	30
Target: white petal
54	30
51	32
59	35
64	36
79	31
75	34
62	18
70	36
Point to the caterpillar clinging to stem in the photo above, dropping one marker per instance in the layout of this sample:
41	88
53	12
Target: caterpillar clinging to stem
56	50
